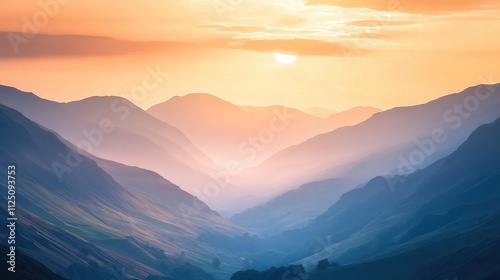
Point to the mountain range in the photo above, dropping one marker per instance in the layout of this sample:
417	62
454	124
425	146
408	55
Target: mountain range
391	143
440	222
247	134
450	200
350	151
103	214
115	129
106	192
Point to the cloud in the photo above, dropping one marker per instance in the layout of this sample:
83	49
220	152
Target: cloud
412	6
15	45
342	41
43	45
301	47
379	23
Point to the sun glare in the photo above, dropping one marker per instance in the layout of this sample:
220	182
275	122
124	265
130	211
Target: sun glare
285	58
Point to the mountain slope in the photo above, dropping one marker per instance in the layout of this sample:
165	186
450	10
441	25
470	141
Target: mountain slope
293	209
387	139
440	222
114	128
451	197
132	218
472	256
30	269
394	141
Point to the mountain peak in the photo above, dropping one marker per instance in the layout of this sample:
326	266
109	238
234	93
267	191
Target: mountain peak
196	98
8	92
363	108
103	101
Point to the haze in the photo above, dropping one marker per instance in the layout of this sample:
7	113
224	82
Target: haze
349	53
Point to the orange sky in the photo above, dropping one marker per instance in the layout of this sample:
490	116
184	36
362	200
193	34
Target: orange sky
380	53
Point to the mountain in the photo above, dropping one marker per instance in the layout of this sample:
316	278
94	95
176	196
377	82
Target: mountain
215	125
396	141
293	209
115	129
472	256
452	197
387	149
440	222
31	269
246	134
104	218
320	112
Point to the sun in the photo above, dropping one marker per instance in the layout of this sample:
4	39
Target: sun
285	58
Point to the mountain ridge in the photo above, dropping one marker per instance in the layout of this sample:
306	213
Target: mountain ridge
114	130
90	206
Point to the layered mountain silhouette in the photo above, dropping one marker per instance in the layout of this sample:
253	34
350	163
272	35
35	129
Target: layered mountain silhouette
391	143
100	217
320	112
118	130
409	193
247	134
375	146
293	209
115	129
440	222
451	205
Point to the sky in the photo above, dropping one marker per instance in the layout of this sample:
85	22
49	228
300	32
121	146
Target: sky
380	53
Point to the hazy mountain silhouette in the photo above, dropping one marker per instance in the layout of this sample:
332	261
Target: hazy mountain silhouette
100	218
387	143
116	129
453	197
119	219
439	222
215	125
320	112
224	131
378	146
293	209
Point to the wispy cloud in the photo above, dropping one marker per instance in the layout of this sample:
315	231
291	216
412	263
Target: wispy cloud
302	47
45	45
413	6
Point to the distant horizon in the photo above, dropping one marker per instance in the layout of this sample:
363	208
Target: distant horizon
197	93
337	110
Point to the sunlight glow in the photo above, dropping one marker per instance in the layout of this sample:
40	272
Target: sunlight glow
285	58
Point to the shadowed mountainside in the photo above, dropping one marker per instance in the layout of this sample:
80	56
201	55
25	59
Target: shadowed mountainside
440	222
132	220
394	142
452	197
28	268
376	146
115	129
